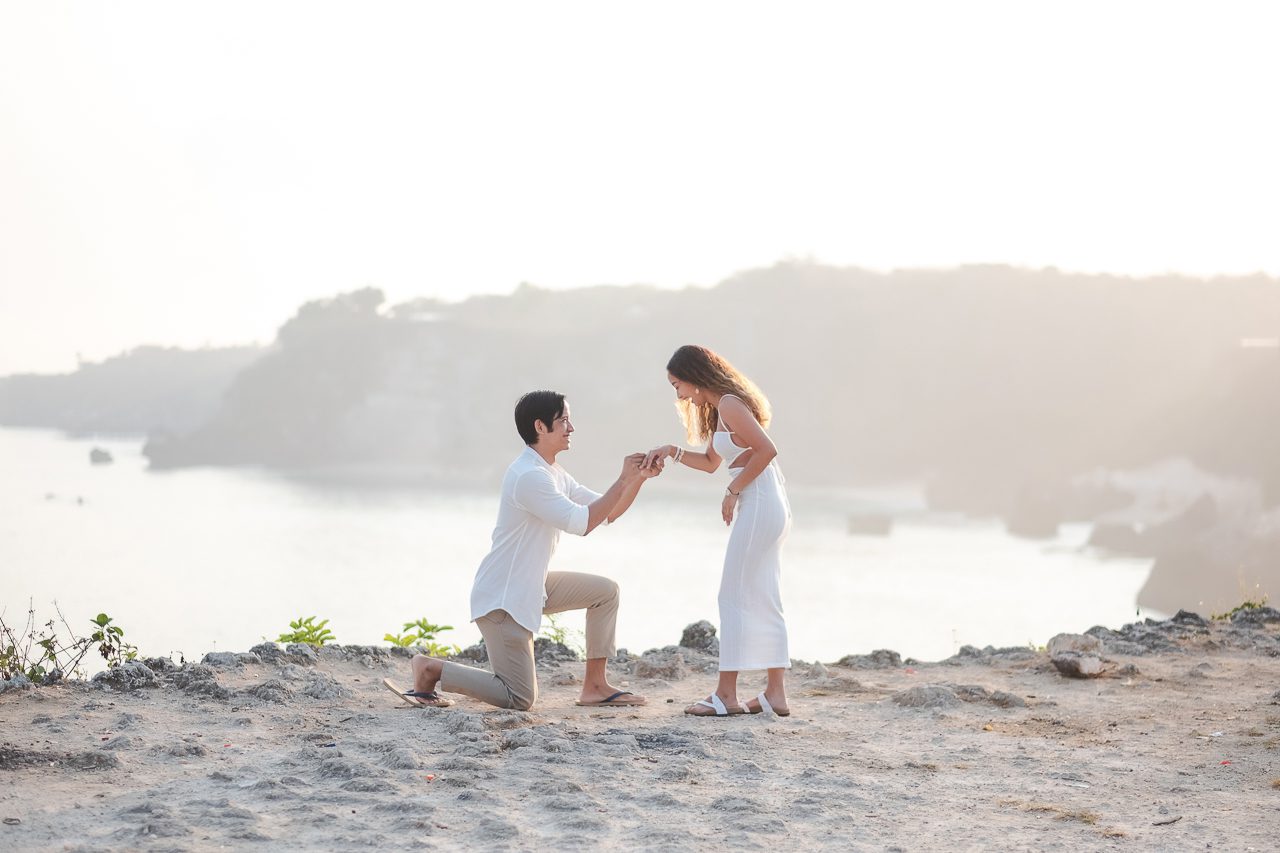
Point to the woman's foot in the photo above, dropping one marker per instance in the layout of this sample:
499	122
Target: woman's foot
777	703
716	705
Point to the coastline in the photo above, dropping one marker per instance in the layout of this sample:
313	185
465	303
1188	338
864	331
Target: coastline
1175	744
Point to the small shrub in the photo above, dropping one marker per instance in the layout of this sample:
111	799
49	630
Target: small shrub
1247	604
308	631
423	633
45	654
564	635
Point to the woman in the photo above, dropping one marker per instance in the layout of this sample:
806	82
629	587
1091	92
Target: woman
725	409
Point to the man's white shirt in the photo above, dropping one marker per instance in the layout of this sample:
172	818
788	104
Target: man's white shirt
538	501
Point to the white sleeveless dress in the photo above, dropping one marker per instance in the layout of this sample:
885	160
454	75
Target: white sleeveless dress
753	632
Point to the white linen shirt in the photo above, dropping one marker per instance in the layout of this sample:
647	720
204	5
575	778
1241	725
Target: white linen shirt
538	501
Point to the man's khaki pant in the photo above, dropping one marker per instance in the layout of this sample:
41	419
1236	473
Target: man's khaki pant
514	682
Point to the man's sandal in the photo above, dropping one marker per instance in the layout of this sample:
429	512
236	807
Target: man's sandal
418	698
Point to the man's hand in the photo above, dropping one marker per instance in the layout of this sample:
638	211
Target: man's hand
653	468
658	456
631	470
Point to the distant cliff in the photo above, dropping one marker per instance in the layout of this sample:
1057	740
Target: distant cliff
138	392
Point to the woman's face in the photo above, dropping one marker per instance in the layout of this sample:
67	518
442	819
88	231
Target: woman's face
685	391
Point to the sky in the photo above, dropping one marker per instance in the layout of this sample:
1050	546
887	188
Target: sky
188	174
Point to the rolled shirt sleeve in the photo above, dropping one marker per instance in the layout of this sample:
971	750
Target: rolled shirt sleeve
536	492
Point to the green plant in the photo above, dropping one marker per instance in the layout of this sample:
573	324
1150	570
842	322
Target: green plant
423	633
564	635
110	641
1247	604
307	630
45	655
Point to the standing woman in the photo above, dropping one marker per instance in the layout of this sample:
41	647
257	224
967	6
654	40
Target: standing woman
722	407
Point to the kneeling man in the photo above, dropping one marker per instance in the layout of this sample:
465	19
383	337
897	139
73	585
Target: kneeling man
513	586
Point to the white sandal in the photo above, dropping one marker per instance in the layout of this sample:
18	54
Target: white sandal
765	707
717	706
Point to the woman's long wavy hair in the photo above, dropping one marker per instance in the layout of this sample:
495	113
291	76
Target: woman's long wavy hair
702	368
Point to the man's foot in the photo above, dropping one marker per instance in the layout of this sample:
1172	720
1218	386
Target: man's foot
715	706
777	704
608	696
418	698
426	673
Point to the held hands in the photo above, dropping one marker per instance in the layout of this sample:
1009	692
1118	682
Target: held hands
633	468
658	456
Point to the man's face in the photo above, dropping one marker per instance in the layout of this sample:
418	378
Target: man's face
557	438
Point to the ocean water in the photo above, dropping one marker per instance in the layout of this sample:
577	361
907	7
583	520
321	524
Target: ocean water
210	559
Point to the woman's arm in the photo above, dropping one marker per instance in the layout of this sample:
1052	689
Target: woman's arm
708	461
761	450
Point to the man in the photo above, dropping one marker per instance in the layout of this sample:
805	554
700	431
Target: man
513	586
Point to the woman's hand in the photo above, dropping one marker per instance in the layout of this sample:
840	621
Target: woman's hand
663	452
727	506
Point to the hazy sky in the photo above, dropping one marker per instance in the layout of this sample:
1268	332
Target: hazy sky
185	173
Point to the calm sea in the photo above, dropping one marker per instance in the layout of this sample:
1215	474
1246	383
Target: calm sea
217	559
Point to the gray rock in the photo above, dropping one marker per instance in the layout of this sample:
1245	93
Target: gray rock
199	680
1186	617
665	665
927	696
701	635
267	652
130	675
476	653
1007	700
989	654
18	682
300	653
272	690
221	659
879	659
1255	616
160	665
971	693
549	651
248	657
1076	655
322	685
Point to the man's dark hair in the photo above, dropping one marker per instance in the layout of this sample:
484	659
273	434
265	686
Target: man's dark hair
543	406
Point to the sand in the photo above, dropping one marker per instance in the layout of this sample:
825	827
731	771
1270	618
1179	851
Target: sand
1174	749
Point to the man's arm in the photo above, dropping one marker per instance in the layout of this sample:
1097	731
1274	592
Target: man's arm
629	495
615	501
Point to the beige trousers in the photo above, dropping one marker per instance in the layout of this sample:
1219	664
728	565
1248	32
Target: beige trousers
514	682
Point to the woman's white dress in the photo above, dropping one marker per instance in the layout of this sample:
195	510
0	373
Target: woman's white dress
753	632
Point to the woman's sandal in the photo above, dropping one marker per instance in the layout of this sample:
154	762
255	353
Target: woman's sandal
765	706
717	707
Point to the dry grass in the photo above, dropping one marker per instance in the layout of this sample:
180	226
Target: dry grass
1275	783
1058	812
1114	833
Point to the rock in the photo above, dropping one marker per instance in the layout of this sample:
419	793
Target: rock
199	680
701	635
220	659
927	696
665	665
971	693
248	657
549	651
879	659
1255	616
988	653
267	652
18	682
1076	655
1186	617
272	690
300	653
130	675
563	679
160	665
98	456
476	653
322	685
1007	700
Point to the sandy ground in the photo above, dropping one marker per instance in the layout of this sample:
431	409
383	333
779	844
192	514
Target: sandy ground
1171	750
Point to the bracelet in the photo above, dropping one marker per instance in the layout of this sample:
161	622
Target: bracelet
678	455
732	492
